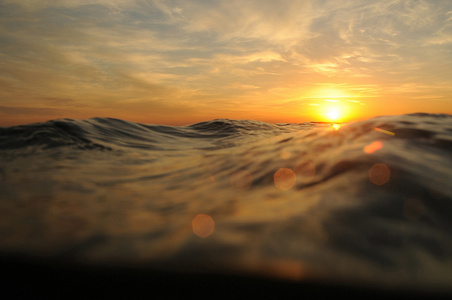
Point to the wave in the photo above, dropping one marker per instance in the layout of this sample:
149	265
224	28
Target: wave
108	133
366	202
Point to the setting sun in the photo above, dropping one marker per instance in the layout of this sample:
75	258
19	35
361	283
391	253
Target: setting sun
333	114
334	103
337	112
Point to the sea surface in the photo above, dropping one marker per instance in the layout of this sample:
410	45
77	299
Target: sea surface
366	203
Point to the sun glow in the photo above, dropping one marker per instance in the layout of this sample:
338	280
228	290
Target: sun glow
333	114
337	112
333	103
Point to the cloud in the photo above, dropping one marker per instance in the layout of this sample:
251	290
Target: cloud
238	20
54	101
217	55
366	39
27	110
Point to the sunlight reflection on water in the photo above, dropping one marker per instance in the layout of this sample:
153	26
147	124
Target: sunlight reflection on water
385	131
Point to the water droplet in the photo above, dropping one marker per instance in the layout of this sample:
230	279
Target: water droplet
379	174
284	178
203	225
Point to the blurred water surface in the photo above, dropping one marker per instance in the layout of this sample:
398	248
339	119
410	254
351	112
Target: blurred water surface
367	202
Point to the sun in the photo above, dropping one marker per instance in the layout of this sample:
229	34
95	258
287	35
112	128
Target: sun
333	113
332	103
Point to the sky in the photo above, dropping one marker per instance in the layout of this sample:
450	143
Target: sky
181	62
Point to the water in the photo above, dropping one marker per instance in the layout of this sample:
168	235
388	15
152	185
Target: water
366	203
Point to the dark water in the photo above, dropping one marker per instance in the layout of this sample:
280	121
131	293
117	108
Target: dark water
366	203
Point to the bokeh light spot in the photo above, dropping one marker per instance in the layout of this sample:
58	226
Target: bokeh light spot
336	126
241	180
284	178
305	171
211	178
413	209
206	180
379	174
203	225
375	146
285	154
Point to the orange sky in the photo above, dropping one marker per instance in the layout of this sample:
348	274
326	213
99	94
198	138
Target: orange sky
181	62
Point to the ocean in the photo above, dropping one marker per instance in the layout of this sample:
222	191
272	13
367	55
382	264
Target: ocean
363	204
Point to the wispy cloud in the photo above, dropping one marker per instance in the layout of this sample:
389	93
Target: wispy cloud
26	110
219	58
